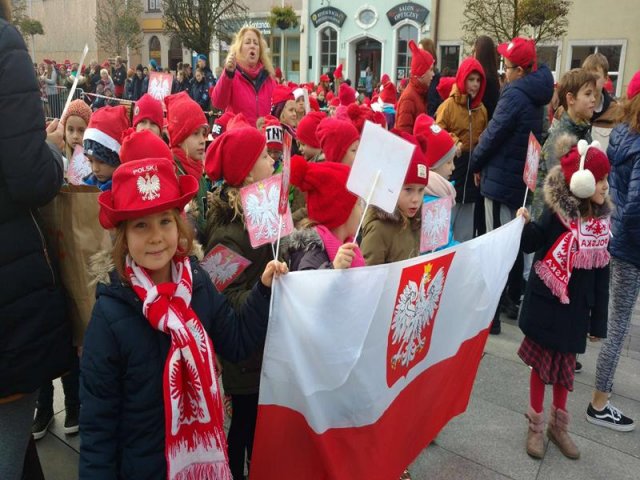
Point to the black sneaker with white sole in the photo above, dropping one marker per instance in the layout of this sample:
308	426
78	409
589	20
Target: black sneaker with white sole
42	422
578	368
71	421
610	417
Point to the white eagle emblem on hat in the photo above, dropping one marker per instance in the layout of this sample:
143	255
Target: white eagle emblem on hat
149	186
436	128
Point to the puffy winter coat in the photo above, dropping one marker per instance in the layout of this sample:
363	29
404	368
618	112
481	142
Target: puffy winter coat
502	151
303	250
543	318
386	238
237	93
122	419
411	104
199	92
465	119
222	228
34	330
624	181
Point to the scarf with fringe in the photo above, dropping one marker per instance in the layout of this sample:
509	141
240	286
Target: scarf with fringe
583	245
195	443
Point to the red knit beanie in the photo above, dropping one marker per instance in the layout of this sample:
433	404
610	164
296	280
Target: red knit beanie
272	130
445	85
421	60
337	73
335	137
418	171
233	154
306	131
328	201
184	116
238	121
281	95
347	95
422	123
334	102
384	80
324	78
634	86
329	96
389	94
440	146
148	108
359	114
77	108
313	103
141	145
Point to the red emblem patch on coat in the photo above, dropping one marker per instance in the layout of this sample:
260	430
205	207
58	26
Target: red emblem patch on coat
414	315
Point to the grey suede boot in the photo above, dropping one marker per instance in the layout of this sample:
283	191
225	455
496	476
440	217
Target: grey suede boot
535	435
557	431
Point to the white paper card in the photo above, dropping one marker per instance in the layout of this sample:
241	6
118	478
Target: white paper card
380	150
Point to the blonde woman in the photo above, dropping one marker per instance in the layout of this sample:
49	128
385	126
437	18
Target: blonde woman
248	80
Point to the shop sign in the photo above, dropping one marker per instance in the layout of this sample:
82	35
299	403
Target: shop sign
328	14
407	11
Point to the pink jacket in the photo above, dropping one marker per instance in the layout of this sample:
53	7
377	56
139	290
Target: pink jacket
238	95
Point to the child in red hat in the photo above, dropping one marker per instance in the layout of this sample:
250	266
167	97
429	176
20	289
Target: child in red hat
284	108
326	237
148	368
308	138
187	128
148	115
339	140
102	144
412	101
567	295
273	133
465	117
440	153
393	237
239	157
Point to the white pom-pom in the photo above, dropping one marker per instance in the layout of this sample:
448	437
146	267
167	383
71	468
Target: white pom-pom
596	144
583	184
582	147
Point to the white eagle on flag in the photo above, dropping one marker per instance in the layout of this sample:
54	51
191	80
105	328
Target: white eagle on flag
223	268
414	311
149	186
262	211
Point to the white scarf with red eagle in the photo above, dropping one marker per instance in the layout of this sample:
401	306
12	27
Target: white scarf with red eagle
195	444
584	245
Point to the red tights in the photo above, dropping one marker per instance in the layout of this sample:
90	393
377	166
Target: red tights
536	393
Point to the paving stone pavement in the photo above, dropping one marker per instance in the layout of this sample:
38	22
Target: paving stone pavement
487	441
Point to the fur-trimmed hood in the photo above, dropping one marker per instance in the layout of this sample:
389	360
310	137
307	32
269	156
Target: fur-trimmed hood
559	198
302	240
220	212
101	268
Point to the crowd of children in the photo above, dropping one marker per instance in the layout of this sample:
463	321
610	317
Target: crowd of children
148	366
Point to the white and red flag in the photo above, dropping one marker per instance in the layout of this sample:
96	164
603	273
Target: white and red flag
363	367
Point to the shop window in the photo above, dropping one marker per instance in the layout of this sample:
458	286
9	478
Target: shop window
328	49
155	50
449	59
613	51
403	64
548	54
153	5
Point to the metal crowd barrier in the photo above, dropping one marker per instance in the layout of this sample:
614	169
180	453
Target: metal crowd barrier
54	104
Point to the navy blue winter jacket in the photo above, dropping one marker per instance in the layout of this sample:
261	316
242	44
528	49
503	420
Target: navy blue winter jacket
122	417
624	181
501	153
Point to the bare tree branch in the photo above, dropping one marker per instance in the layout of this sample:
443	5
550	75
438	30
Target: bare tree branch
543	20
195	23
117	25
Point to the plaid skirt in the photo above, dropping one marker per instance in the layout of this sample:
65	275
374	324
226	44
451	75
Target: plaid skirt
551	366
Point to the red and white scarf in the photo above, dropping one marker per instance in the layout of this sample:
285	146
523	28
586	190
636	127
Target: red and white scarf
195	443
584	245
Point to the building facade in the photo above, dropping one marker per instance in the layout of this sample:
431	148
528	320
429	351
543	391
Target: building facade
610	29
360	35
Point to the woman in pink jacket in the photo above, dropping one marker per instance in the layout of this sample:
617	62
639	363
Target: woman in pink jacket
248	81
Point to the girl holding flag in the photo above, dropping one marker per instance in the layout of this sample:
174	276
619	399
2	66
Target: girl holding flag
239	157
567	295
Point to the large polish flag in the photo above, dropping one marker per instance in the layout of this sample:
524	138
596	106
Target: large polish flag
363	367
